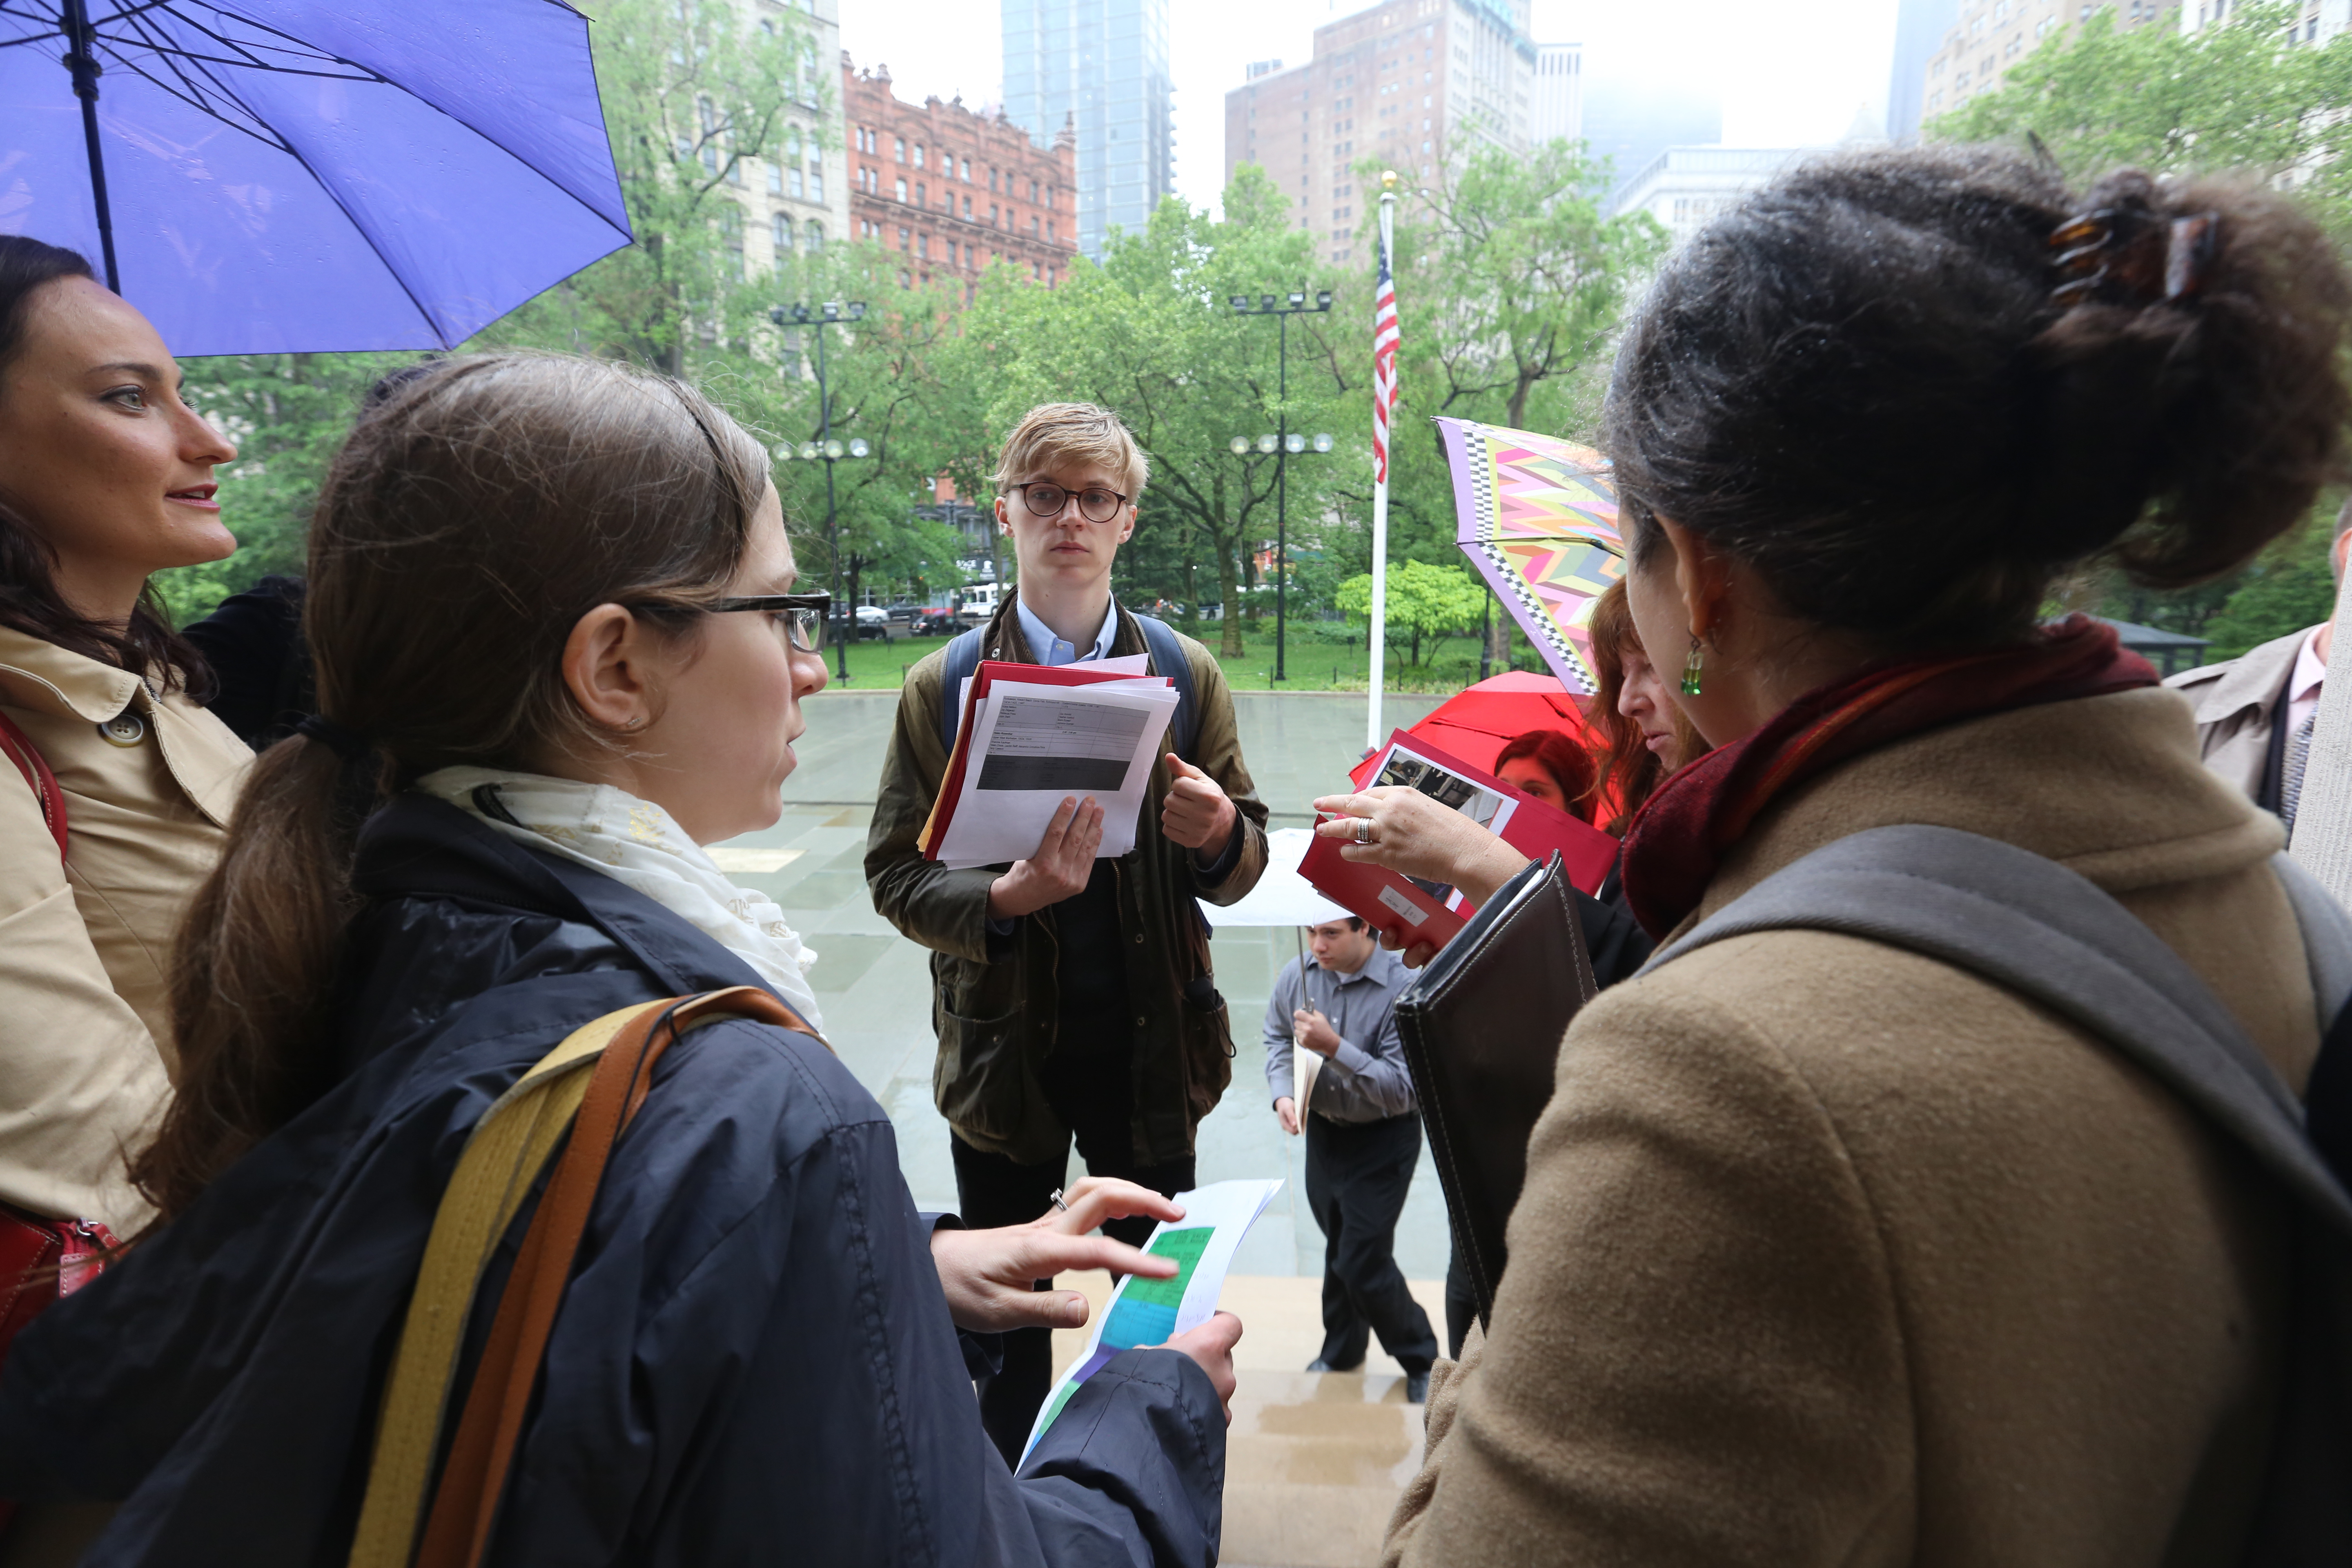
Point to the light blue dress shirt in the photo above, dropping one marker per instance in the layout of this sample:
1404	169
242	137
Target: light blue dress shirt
1051	650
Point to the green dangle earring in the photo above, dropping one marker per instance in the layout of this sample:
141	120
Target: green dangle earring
1691	671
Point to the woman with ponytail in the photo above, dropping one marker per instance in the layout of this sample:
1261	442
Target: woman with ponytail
1830	1251
558	651
115	783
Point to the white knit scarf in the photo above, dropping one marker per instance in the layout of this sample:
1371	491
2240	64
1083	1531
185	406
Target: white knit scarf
638	844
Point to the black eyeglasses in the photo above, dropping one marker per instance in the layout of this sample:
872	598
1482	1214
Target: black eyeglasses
1094	503
802	615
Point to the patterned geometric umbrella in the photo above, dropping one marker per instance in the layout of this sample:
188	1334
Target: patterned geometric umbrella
1538	516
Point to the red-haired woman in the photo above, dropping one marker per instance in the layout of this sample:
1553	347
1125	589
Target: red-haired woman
1552	767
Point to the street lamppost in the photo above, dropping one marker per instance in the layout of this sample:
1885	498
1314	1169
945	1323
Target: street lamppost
1282	309
825	449
1281	447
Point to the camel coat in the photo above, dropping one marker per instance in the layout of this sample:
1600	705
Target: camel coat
1831	1253
85	1057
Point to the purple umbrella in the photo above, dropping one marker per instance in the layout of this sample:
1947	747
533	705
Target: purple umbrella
294	175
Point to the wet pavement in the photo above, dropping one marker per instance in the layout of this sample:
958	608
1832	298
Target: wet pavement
1316	1460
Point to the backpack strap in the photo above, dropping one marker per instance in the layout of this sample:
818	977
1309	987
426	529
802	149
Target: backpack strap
589	1087
2036	928
2326	938
37	777
1168	658
964	659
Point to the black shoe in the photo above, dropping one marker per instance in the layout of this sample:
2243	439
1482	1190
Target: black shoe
1417	1388
1319	1364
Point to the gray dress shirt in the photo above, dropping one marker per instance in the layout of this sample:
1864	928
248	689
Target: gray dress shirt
1366	1080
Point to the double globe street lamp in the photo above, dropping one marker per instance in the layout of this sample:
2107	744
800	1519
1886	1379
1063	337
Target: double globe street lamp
825	449
1282	308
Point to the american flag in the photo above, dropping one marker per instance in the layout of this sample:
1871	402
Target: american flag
1385	338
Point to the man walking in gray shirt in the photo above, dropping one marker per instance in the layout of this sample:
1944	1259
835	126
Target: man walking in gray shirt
1363	1138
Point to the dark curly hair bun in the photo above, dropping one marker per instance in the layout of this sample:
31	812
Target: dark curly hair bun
1866	382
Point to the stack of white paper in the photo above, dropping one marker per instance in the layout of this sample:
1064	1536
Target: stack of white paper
1034	746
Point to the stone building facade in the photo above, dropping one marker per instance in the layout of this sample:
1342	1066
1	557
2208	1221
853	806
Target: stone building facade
794	193
953	192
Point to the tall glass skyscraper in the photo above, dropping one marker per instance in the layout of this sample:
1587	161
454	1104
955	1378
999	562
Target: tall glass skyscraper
1098	68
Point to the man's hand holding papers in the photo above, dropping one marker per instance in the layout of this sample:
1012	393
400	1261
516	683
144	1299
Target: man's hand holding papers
1032	743
1064	859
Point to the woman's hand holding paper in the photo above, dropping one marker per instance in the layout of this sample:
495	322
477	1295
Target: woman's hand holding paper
987	1274
1417	837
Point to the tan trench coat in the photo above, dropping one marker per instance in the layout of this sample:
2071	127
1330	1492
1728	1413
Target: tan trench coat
1831	1253
2234	701
85	946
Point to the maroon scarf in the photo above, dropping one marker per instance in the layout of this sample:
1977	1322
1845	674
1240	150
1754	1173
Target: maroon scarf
1676	844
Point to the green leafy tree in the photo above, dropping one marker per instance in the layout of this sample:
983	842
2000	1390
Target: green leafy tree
1510	289
287	414
2244	94
1424	601
2289	588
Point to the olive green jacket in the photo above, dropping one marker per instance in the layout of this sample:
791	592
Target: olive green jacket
991	996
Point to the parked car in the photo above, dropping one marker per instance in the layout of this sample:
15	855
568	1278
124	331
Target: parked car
936	621
905	611
868	625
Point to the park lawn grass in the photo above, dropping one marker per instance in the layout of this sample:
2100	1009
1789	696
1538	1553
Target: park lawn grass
1320	656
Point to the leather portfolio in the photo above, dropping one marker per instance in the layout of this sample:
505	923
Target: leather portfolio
1481	1027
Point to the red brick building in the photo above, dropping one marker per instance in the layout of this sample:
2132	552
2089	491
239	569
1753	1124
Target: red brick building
953	191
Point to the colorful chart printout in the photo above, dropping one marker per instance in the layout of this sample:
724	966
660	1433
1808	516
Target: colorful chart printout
1143	1313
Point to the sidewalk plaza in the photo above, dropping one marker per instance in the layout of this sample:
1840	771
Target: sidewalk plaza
1315	1460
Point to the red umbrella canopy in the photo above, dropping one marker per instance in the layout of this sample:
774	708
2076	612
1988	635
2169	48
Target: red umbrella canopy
1475	724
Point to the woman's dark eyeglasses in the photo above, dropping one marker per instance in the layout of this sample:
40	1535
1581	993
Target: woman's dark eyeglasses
801	615
1094	504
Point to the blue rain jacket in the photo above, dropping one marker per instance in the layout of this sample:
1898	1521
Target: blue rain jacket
753	1362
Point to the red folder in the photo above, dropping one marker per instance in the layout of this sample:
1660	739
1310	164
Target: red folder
1405	910
992	671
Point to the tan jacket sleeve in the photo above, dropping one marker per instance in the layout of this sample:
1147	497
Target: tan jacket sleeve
1694	1356
81	1084
945	911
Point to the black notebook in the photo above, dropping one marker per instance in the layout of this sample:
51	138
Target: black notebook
1482	1027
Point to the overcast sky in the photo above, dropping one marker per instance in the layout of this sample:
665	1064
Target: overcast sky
1790	75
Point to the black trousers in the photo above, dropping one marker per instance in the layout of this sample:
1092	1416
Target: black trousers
1357	1176
1088	1084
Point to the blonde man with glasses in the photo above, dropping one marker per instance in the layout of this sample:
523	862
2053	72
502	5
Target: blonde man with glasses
1073	997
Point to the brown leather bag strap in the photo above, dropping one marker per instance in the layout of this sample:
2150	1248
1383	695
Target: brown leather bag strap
466	1504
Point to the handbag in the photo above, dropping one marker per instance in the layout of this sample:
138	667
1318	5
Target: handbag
590	1086
1481	1027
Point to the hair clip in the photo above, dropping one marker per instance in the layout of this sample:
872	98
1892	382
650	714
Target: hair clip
2082	243
2113	255
2188	253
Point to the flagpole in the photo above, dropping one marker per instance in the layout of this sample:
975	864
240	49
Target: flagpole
1382	401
